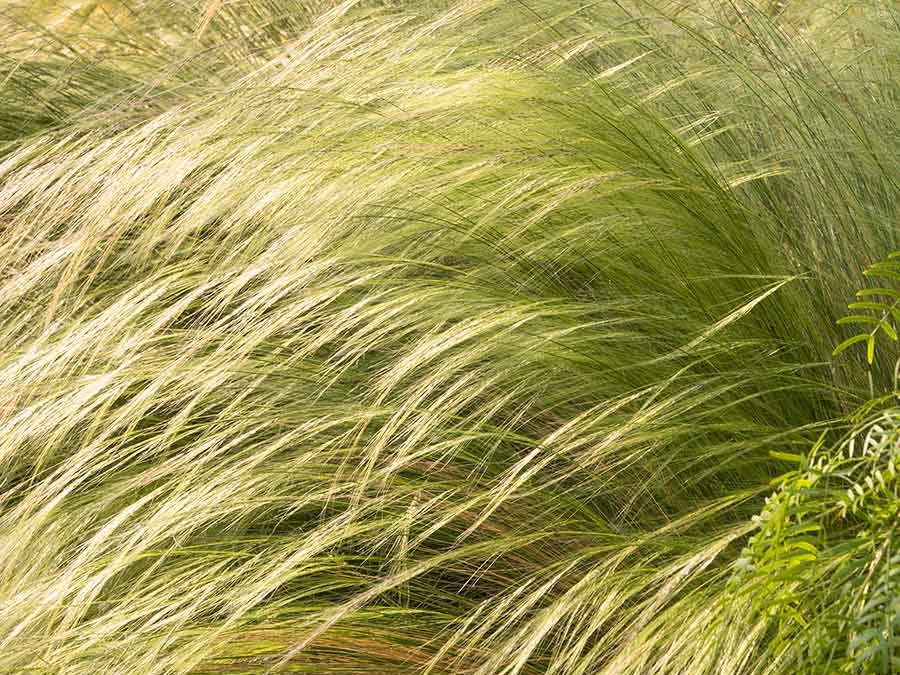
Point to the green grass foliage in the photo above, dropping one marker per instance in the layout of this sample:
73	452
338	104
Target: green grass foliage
462	337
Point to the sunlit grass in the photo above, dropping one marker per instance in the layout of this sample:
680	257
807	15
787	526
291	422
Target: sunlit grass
485	337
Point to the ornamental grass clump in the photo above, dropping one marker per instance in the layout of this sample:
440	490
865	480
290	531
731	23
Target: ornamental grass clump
486	337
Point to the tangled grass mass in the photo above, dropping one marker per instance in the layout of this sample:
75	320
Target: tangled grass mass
449	337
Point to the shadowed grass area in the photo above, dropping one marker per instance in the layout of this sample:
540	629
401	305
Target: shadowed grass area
469	337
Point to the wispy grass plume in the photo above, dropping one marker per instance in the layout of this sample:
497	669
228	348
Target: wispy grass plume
485	337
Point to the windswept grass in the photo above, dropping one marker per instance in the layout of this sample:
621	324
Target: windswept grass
485	337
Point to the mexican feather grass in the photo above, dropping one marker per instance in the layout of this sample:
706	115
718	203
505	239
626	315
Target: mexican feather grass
470	337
